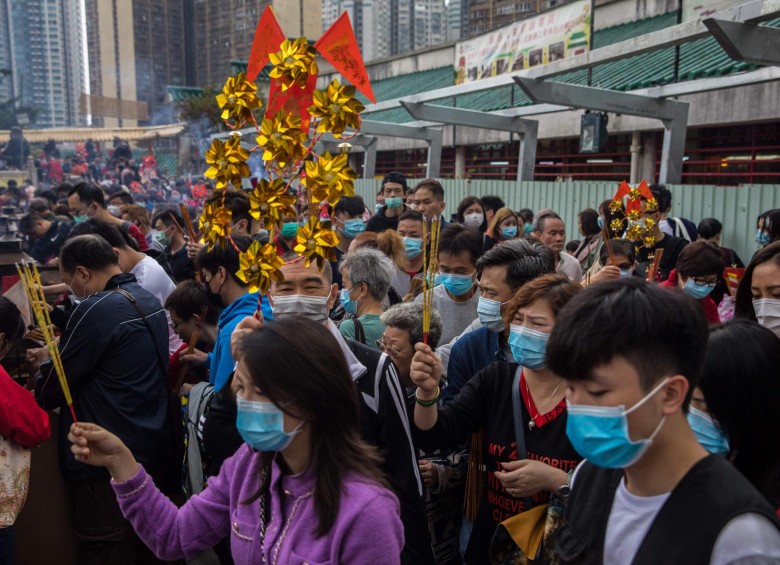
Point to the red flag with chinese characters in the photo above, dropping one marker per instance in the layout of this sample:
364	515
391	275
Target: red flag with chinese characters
340	48
268	38
294	100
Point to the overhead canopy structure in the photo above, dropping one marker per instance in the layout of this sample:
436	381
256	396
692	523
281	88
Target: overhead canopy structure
74	135
747	42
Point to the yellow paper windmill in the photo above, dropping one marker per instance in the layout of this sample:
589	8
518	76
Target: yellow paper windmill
316	243
270	201
258	266
214	223
337	108
282	139
329	178
238	99
293	63
227	162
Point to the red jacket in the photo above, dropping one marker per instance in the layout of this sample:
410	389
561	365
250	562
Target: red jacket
707	304
21	419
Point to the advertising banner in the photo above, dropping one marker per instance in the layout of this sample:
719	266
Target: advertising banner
550	36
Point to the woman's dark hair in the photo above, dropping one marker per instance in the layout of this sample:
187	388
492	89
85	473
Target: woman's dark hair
619	247
299	364
188	299
466	203
709	228
614	319
699	259
589	219
739	382
494	203
350	205
11	322
743	305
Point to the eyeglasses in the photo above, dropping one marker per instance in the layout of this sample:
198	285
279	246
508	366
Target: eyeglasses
391	351
176	325
80	212
703	282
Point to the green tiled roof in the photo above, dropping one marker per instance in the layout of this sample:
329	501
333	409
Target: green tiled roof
181	93
698	59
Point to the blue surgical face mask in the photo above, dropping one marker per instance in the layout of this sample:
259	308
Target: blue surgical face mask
289	230
489	313
600	433
697	291
527	228
80	218
394	201
600	222
707	432
349	305
261	425
413	247
377	207
457	285
762	237
626	272
509	232
353	227
528	346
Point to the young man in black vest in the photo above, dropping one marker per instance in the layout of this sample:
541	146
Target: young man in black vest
647	493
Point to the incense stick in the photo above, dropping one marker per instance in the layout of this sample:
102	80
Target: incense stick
608	244
651	274
31	282
185	214
430	266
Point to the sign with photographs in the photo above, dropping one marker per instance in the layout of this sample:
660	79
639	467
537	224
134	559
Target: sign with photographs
553	35
695	9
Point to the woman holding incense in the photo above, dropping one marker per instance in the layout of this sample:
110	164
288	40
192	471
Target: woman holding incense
508	482
23	425
304	487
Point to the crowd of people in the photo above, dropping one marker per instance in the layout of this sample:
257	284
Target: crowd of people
573	391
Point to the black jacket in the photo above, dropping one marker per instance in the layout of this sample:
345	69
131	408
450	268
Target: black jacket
114	375
48	246
379	222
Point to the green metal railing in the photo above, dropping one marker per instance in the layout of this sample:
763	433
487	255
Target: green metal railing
737	207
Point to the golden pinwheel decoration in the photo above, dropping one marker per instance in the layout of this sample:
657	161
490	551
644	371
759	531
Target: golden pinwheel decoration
227	162
237	100
214	224
258	266
270	201
293	63
282	139
316	242
337	108
329	178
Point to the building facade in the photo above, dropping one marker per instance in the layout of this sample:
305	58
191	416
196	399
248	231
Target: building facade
487	15
430	23
41	46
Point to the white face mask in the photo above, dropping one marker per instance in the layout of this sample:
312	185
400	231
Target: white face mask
768	313
313	307
473	220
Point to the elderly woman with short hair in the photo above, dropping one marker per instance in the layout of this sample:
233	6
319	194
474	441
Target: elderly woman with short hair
443	472
365	275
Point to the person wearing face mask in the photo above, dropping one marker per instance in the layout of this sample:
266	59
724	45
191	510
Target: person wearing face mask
471	213
114	352
508	479
457	295
139	216
758	295
500	273
310	293
86	201
175	258
218	267
740	393
366	276
410	227
302	487
631	354
285	239
504	226
23	425
394	188
348	220
696	274
619	265
768	227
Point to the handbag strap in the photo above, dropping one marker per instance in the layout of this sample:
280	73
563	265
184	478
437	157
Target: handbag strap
133	301
517	413
360	335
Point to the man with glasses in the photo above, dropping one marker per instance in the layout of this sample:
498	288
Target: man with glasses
393	190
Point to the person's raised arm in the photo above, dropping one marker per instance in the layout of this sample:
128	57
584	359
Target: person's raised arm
426	374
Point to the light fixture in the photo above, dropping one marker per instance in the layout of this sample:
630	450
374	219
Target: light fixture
593	131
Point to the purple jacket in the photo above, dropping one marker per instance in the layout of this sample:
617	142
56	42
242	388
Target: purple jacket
367	529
